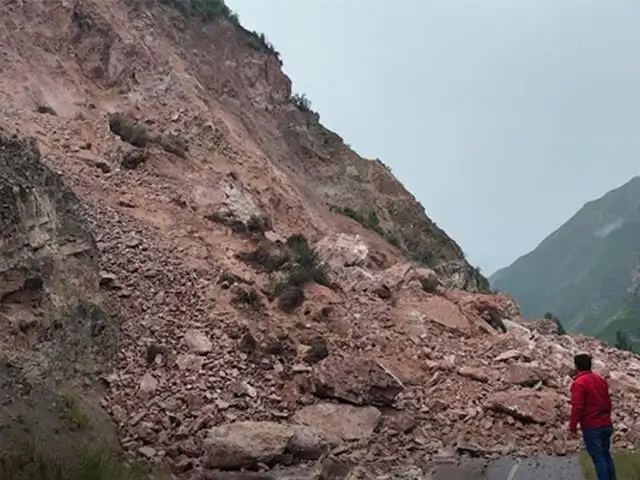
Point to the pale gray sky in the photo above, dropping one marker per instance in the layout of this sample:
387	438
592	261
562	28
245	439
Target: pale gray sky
503	117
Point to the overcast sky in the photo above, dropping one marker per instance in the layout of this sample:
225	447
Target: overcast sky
503	117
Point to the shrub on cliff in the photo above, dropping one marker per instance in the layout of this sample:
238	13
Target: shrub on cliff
207	10
301	101
212	10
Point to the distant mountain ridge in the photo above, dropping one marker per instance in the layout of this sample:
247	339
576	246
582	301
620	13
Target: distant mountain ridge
587	272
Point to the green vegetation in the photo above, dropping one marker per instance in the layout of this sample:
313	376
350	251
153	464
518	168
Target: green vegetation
302	102
300	263
307	265
212	10
74	414
250	298
623	342
206	10
584	271
29	462
627	465
556	320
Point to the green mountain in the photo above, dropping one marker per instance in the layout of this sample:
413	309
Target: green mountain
587	272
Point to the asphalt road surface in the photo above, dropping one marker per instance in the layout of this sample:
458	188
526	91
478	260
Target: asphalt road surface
535	468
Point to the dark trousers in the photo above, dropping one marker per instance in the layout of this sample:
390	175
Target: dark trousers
597	442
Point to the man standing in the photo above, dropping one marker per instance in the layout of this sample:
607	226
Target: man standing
591	408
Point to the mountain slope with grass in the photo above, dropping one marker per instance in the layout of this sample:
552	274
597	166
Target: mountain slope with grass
587	271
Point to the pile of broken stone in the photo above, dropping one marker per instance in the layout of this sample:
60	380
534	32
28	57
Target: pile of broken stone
358	382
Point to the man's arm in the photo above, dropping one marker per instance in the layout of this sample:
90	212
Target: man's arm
577	406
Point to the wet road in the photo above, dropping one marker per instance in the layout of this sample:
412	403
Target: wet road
535	468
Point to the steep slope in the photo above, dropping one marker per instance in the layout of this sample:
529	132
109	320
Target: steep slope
152	61
269	316
586	272
58	335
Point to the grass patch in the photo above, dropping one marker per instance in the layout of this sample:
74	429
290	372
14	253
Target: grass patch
290	297
250	298
74	414
300	263
305	267
307	264
29	462
627	465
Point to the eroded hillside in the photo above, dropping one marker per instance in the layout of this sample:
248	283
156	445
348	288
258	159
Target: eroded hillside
283	304
207	85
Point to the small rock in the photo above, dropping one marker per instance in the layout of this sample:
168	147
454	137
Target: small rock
148	452
189	362
474	373
509	355
148	386
198	342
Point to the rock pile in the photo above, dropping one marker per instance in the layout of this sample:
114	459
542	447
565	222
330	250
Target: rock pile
408	379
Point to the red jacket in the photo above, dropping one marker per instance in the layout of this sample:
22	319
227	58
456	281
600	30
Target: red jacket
590	402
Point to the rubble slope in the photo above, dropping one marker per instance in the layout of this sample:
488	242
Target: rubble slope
263	326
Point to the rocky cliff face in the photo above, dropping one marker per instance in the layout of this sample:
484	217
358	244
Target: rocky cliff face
270	317
54	327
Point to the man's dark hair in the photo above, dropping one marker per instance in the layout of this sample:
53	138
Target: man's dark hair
582	362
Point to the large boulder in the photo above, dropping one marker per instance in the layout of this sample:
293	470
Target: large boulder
402	276
528	406
417	313
246	444
523	375
340	422
355	380
230	203
343	250
493	309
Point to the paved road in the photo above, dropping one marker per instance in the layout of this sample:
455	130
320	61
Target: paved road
536	468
